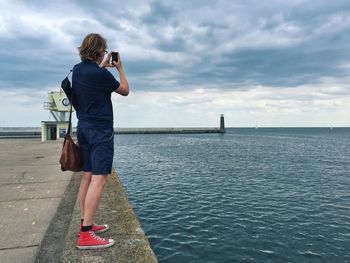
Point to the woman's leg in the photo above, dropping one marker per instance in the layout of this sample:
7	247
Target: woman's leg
87	238
92	198
84	186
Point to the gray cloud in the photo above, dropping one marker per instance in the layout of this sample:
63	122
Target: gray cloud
158	13
219	44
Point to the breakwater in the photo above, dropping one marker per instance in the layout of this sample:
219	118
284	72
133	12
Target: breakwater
20	132
35	132
165	130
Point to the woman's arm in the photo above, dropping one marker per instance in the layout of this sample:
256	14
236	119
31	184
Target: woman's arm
123	88
124	85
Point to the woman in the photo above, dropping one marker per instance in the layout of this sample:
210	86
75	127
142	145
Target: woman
92	86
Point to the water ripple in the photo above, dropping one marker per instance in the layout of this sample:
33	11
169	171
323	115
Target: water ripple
247	196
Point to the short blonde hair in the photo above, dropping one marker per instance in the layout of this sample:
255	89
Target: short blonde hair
91	47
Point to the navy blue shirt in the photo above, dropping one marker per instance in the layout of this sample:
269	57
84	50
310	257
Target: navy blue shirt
92	88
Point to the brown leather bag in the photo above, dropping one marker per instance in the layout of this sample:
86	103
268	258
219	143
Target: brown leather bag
71	156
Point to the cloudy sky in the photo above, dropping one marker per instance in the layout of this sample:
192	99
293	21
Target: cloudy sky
261	63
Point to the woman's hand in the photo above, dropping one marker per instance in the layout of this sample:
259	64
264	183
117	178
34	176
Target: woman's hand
118	64
123	88
106	61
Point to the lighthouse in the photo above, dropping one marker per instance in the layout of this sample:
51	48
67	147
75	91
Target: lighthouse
222	124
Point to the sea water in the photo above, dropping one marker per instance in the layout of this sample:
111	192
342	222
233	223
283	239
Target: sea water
250	195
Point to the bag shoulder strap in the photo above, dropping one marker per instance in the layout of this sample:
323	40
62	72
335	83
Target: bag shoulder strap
71	103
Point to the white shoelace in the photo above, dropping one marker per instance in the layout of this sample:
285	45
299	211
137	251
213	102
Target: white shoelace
96	236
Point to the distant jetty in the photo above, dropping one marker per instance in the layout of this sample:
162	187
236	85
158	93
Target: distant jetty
20	132
165	130
36	132
221	129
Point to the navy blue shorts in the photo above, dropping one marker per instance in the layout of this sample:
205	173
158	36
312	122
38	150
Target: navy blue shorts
97	145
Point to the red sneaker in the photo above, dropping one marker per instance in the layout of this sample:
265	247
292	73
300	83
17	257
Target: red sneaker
97	228
89	240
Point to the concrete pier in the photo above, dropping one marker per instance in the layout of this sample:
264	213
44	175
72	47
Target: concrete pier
131	243
31	188
20	132
35	132
39	212
165	130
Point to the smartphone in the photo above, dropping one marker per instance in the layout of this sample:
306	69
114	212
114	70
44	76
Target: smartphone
115	56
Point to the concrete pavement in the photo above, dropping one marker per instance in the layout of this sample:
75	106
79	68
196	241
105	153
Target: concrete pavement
31	188
39	210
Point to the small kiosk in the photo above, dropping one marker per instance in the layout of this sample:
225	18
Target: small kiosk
58	105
